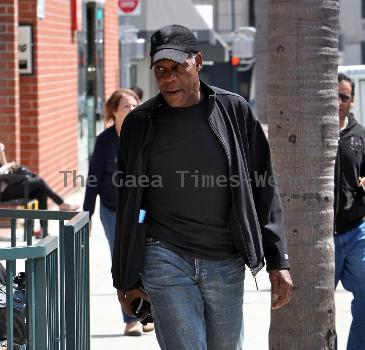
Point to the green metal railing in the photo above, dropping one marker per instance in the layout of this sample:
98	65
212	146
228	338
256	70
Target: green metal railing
57	280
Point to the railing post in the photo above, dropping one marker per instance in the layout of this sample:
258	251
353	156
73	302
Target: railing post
86	235
10	268
30	302
40	318
53	301
13	232
70	287
61	239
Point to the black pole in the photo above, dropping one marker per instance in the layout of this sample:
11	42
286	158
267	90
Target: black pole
251	20
233	16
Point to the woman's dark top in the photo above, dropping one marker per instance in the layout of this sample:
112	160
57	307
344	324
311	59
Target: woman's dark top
103	166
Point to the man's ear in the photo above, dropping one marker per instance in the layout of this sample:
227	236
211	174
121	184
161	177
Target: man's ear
199	61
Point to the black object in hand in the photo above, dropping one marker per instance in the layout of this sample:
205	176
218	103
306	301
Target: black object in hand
19	280
142	310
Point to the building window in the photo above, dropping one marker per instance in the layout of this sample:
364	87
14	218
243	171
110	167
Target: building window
363	52
363	8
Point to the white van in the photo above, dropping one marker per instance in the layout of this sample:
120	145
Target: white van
357	74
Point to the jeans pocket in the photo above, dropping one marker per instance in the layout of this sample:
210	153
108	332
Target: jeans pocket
241	264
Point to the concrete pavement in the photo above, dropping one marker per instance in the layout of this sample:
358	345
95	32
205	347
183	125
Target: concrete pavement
106	319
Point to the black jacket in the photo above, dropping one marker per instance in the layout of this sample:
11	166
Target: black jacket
255	220
349	201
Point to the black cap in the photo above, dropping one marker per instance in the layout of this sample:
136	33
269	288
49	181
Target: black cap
174	42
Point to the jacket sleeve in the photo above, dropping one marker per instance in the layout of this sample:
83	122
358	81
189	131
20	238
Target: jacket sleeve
118	259
96	168
266	195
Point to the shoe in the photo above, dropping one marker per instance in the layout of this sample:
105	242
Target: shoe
149	327
133	329
68	207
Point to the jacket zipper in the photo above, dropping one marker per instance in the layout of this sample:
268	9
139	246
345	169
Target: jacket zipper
235	208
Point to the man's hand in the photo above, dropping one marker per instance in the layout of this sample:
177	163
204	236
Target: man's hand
126	299
362	182
281	286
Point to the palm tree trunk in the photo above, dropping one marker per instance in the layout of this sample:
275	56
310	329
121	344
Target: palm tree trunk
303	132
260	69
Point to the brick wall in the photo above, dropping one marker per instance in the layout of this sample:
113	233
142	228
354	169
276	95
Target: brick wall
48	98
38	112
57	93
9	81
112	70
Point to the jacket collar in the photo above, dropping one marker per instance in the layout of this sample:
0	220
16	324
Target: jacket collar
207	89
351	123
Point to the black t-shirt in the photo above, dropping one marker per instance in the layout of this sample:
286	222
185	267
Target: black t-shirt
189	212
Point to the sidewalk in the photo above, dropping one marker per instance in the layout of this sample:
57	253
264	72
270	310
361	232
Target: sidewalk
106	319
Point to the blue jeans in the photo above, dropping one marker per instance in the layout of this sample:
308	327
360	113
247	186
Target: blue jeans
350	269
108	218
196	304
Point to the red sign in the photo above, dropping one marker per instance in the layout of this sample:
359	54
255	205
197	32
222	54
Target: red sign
128	6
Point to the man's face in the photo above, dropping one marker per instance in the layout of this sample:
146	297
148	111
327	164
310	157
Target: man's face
344	98
179	83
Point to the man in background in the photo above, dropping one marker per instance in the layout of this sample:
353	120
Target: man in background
349	208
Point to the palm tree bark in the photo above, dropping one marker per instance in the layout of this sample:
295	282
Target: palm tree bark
303	133
260	69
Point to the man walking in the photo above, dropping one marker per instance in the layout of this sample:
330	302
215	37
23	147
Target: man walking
350	210
188	236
